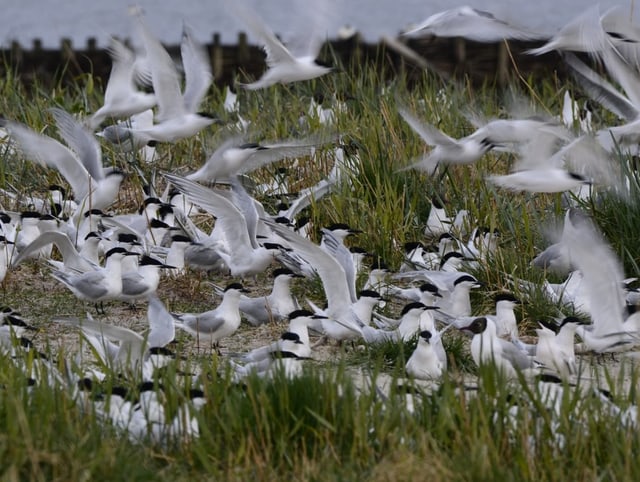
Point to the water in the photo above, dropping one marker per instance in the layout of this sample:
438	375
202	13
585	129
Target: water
51	20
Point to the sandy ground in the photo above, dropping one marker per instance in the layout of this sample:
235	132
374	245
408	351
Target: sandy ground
31	290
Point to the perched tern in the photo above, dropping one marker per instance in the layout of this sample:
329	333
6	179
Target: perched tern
556	351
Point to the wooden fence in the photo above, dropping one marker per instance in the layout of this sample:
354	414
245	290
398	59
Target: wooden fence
451	57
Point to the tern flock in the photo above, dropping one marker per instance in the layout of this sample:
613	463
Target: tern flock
105	255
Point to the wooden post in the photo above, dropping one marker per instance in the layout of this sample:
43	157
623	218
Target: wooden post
217	60
243	49
66	49
460	53
92	44
16	52
356	51
502	63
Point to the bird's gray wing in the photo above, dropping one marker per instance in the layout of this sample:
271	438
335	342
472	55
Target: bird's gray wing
600	90
515	356
90	284
197	70
47	151
81	141
133	284
339	251
162	328
206	323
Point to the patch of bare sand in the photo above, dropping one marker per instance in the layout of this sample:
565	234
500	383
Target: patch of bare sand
31	290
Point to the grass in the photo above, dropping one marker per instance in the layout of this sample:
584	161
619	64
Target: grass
329	424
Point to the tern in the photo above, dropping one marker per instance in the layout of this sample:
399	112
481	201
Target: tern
5	256
130	353
505	318
591	32
288	342
342	322
469	23
143	281
542	168
424	364
234	157
602	282
276	306
80	163
72	260
216	324
446	149
283	66
177	111
556	351
101	284
244	257
488	348
121	97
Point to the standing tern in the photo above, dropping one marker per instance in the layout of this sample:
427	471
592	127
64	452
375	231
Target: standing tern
101	284
215	324
505	318
144	280
488	348
275	306
556	351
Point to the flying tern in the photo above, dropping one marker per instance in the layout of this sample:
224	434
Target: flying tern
177	111
121	96
469	23
80	163
282	65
